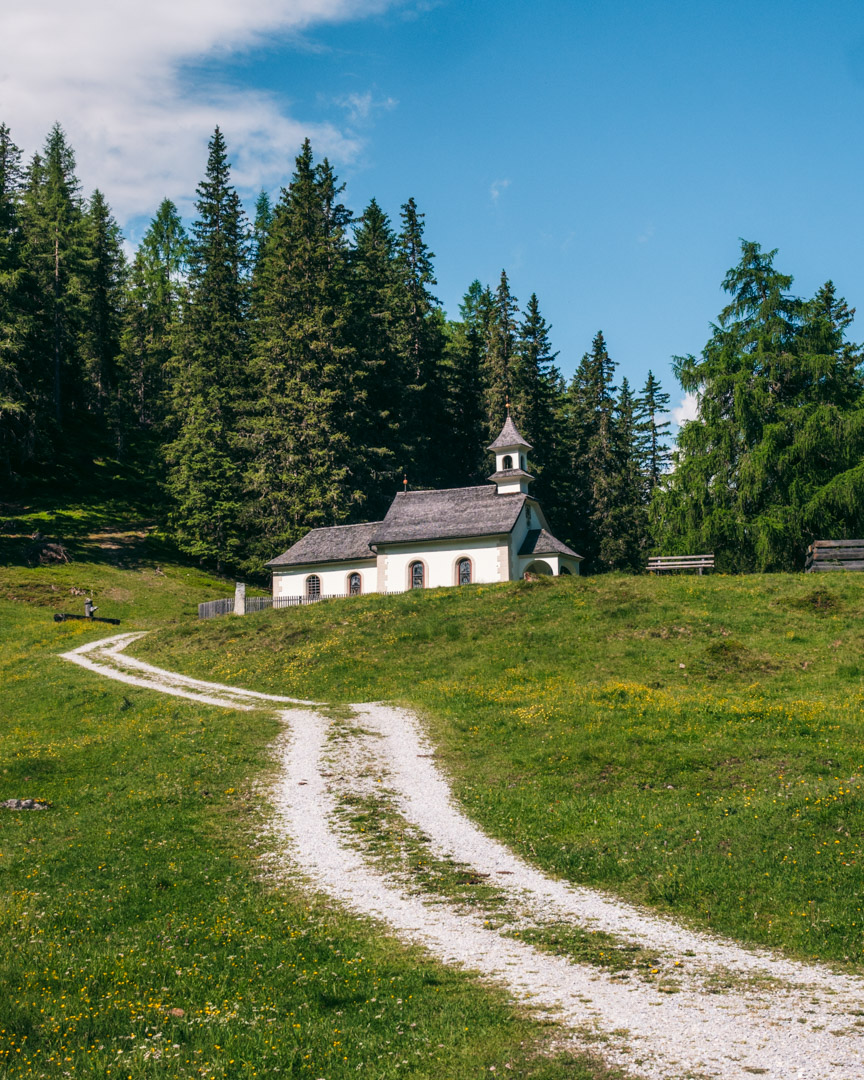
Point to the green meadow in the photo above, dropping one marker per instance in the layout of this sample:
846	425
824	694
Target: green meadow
692	744
147	929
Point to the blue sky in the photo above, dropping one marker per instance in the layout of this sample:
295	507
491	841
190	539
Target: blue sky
608	156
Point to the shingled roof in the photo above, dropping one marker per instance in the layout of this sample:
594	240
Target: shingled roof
448	514
540	542
339	543
509	437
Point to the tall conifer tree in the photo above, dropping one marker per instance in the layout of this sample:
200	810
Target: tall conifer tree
379	301
421	345
466	413
306	467
536	386
775	455
501	359
55	252
652	431
17	430
104	283
155	293
205	457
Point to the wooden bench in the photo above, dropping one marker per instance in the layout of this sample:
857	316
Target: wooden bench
824	555
661	564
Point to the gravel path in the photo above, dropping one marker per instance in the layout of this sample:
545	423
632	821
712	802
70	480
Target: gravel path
806	1025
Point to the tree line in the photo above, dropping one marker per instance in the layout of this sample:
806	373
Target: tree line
286	371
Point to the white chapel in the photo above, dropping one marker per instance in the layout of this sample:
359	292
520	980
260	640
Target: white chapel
454	536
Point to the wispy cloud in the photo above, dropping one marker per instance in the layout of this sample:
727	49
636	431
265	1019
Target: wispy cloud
115	76
360	107
686	409
645	235
497	187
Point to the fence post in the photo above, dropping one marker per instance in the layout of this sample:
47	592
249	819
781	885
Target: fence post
239	598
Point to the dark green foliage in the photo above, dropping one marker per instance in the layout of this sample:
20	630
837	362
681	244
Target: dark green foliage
55	252
309	392
466	417
379	302
289	373
154	298
535	394
502	356
421	343
205	456
102	306
774	459
652	431
16	422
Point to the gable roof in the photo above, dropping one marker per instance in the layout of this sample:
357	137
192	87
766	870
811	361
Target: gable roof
339	543
448	514
509	437
540	542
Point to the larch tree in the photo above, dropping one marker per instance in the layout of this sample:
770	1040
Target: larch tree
774	456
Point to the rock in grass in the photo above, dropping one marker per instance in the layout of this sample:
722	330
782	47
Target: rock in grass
24	804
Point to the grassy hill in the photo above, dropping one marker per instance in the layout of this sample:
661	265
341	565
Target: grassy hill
145	930
695	744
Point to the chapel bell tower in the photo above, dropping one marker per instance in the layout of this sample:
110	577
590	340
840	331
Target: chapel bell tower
511	464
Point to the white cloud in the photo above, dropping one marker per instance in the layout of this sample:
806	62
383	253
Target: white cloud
687	409
646	235
497	187
113	75
361	106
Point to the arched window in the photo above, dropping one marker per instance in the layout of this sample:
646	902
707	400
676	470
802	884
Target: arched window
523	460
418	576
313	587
507	463
463	571
564	570
355	584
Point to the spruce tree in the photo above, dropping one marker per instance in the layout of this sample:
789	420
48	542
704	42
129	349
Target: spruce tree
205	457
536	388
652	432
154	298
589	423
466	414
306	468
17	428
104	283
52	216
624	537
501	358
378	300
421	342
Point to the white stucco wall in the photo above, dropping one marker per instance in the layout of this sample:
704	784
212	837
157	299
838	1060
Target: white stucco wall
522	527
334	578
488	555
